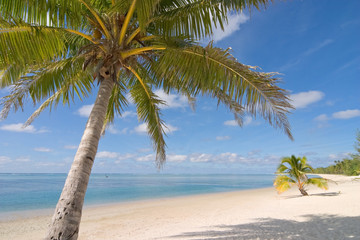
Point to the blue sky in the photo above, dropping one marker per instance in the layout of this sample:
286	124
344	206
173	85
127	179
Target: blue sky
314	44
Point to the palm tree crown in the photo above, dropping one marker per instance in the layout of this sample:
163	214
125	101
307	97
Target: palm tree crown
293	171
52	54
52	51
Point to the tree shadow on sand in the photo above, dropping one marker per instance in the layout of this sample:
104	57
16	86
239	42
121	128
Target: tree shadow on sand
326	194
319	227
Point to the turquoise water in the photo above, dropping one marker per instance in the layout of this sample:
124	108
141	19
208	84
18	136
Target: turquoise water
40	191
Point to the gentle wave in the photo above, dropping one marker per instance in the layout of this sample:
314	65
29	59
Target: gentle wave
39	191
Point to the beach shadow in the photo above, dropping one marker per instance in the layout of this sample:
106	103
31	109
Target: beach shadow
319	227
327	194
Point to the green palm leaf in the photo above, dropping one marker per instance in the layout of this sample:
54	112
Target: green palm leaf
202	70
293	170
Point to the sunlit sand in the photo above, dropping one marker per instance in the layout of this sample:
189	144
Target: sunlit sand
252	214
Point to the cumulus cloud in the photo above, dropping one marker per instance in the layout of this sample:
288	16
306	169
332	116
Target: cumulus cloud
142	128
146	158
85	110
42	149
231	123
304	99
70	146
222	138
128	114
203	157
233	25
106	154
346	114
111	129
114	155
18	127
322	118
176	158
246	122
171	100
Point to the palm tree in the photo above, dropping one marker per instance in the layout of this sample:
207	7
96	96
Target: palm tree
292	171
52	51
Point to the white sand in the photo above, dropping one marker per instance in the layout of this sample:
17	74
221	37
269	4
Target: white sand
255	214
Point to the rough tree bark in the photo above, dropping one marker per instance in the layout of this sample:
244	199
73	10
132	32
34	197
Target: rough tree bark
66	219
303	192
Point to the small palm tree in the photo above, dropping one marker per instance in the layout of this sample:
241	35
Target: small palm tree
52	51
292	171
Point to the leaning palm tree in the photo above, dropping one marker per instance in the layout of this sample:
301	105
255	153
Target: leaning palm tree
292	171
53	51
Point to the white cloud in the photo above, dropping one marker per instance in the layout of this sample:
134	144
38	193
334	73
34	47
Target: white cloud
222	138
147	158
203	157
142	128
4	159
18	127
176	158
246	122
111	129
231	123
172	100
125	157
85	110
170	129
128	114
234	22
347	114
322	118
42	149
70	146
105	154
304	99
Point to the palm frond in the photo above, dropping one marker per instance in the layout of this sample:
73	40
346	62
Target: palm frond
59	13
197	18
24	44
202	70
118	100
55	81
319	182
283	183
148	111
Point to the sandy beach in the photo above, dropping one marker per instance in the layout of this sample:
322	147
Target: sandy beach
251	214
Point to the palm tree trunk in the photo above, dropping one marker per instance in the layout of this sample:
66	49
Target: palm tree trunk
66	219
303	192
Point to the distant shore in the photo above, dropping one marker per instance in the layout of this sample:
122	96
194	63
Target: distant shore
248	214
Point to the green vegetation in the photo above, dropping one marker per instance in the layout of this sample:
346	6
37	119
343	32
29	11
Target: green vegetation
348	166
292	171
53	51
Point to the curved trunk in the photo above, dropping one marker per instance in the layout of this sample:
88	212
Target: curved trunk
303	192
66	220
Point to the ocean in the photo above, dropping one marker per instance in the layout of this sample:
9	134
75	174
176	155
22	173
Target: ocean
32	191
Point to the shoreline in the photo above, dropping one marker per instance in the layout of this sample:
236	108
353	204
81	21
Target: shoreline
246	214
43	212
